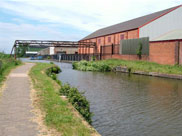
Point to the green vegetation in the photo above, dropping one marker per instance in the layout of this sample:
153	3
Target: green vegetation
21	50
6	64
78	100
59	114
91	66
52	71
139	50
34	48
48	57
133	65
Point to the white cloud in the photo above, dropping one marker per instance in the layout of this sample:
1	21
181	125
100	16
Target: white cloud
83	15
10	32
77	12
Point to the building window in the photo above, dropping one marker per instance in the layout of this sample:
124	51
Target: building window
99	41
109	39
121	36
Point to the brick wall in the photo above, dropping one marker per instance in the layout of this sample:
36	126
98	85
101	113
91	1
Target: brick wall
126	57
114	39
164	52
133	34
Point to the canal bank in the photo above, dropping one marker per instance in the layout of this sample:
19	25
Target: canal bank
131	67
129	104
58	113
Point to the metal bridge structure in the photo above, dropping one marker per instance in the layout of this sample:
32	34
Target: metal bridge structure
47	43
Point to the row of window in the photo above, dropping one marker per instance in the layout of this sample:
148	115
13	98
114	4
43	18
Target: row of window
109	38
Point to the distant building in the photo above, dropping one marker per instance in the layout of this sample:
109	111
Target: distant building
59	50
33	51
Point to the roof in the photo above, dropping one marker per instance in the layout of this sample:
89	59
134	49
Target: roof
172	35
129	25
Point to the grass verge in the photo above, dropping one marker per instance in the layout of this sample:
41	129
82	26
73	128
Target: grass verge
59	113
7	63
108	65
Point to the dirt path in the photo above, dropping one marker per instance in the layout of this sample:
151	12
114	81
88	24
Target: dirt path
15	105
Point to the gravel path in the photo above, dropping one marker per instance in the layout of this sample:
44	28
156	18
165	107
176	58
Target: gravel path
15	105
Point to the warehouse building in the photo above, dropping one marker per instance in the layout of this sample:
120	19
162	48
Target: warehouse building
163	29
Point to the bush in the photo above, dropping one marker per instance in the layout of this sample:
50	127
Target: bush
48	57
52	71
78	100
93	58
65	89
139	50
51	62
75	65
91	66
53	76
104	68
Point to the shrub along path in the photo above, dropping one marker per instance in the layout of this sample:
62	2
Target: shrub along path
15	105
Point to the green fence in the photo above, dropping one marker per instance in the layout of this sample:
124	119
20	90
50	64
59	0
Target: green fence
130	46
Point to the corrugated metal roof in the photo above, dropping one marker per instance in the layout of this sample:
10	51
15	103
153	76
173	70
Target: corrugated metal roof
128	25
173	35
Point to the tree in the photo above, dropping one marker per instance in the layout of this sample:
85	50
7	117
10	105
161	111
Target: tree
139	50
21	50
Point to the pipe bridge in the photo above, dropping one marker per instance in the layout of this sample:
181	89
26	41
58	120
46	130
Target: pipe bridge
47	43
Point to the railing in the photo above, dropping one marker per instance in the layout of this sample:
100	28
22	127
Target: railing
79	57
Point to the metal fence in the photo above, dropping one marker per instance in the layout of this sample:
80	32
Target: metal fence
126	47
78	57
130	46
71	57
110	49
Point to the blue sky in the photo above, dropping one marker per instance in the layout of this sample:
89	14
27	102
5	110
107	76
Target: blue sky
67	19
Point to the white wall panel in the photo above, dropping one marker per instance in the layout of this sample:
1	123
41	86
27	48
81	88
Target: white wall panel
163	25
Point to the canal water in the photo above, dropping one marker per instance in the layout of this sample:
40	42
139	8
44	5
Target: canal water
132	105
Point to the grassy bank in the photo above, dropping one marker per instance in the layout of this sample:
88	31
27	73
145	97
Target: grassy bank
108	65
6	64
59	113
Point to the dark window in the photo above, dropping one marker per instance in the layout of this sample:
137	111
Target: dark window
99	41
122	36
109	39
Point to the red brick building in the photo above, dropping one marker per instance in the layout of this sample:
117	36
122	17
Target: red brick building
157	26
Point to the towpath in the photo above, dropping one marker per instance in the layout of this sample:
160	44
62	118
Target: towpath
15	105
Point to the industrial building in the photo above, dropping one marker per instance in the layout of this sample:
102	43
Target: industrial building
59	50
163	29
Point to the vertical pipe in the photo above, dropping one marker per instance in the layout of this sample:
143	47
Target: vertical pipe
100	52
112	49
178	52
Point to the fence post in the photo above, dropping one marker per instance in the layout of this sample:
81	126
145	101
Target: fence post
100	52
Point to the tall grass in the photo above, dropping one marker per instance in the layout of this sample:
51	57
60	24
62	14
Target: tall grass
6	64
91	66
108	65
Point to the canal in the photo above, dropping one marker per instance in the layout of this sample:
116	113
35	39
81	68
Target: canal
132	105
